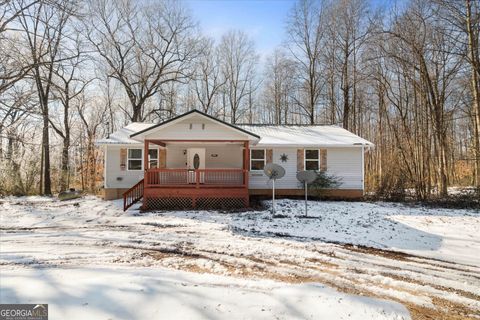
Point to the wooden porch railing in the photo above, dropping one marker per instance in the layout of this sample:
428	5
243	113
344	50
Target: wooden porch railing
133	195
200	178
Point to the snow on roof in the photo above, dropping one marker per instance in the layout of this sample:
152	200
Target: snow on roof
271	135
306	135
122	136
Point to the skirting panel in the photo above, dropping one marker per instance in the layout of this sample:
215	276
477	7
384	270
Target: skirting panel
186	198
170	203
113	193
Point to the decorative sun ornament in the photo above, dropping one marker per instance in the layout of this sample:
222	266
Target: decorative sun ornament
284	157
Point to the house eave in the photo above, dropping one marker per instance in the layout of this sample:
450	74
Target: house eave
232	126
314	145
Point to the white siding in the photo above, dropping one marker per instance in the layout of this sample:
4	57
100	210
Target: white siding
259	181
128	178
228	156
175	157
211	131
344	163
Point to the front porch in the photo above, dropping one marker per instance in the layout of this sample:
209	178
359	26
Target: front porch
180	175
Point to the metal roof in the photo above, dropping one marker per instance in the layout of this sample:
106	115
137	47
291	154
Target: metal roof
270	135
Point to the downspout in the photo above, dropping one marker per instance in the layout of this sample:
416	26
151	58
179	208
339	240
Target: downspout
105	152
363	169
363	165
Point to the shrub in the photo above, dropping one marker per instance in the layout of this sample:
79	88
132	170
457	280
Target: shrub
324	181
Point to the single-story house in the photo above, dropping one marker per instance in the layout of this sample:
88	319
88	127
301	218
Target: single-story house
195	160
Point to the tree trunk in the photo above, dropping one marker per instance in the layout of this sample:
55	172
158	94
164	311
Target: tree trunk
40	184
64	164
473	52
137	115
346	89
64	174
91	163
47	183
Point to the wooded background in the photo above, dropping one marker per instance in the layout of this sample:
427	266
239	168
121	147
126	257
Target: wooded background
405	76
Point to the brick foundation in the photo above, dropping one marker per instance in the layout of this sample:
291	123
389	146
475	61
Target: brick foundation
328	193
117	193
113	193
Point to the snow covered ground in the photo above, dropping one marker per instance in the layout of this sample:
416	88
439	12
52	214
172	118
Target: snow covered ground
452	235
426	259
145	293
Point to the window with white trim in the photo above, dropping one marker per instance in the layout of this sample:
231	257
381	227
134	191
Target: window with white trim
153	158
312	159
257	159
134	159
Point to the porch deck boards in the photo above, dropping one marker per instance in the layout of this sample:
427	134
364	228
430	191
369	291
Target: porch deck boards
201	188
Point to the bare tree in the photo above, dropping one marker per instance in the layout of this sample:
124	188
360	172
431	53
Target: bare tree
472	21
305	35
92	114
13	65
350	29
463	18
44	33
208	80
406	79
280	85
144	47
428	69
238	59
67	88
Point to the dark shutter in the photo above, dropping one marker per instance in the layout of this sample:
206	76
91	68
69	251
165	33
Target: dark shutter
323	159
300	160
123	159
269	155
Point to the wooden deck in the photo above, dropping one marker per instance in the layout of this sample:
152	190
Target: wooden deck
164	188
198	179
201	188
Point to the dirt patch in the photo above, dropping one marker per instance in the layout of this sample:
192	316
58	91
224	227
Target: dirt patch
401	256
466	294
379	252
321	272
163	225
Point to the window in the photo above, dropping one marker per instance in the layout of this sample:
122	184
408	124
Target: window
134	159
153	158
312	159
257	159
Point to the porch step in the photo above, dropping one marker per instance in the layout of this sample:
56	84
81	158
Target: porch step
133	195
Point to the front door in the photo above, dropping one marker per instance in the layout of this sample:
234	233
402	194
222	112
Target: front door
195	160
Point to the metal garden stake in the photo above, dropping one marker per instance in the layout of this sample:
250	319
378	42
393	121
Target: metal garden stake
306	177
273	172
